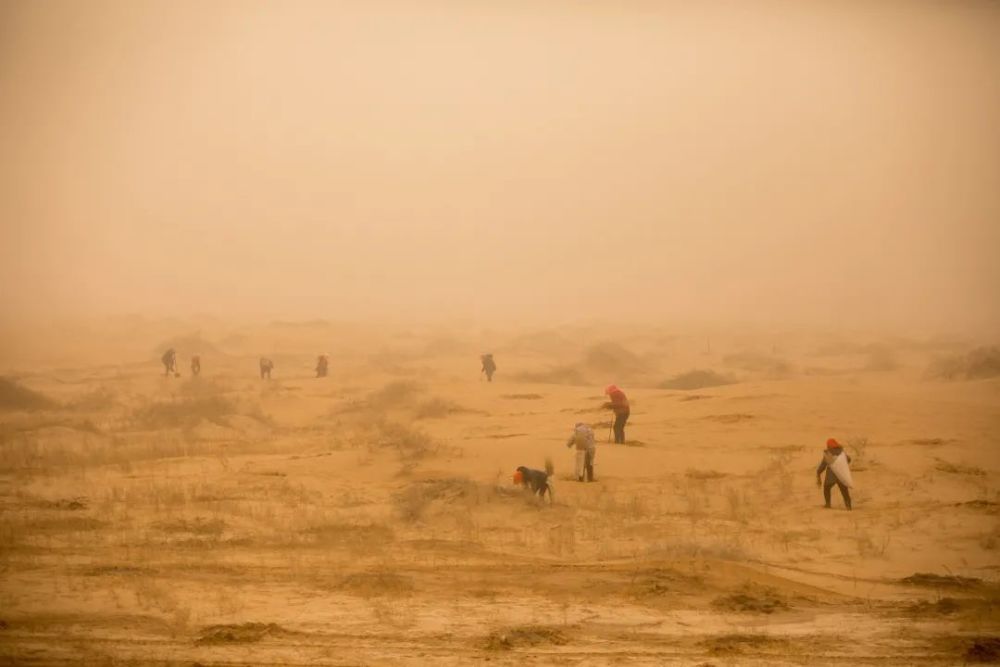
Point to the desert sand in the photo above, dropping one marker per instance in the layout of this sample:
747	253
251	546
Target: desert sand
370	517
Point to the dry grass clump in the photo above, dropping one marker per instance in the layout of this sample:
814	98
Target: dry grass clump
522	397
100	399
742	643
437	408
352	535
395	394
959	468
196	526
524	636
983	650
704	474
697	379
13	396
413	502
410	443
243	633
183	412
942	607
379	582
751	600
932	580
980	364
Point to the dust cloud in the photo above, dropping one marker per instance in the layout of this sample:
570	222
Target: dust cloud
813	164
305	302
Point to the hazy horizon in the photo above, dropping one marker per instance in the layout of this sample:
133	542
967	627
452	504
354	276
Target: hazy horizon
801	164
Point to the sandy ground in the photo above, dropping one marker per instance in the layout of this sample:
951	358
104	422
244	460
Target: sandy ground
369	517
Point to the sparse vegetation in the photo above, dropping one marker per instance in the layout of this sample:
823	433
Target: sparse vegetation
743	643
981	363
242	633
524	636
932	580
751	600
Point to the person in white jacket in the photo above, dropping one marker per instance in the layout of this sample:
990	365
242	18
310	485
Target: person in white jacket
586	447
838	473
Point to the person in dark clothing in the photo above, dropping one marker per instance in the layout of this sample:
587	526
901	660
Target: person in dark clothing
489	366
322	365
266	366
169	360
619	404
195	365
831	463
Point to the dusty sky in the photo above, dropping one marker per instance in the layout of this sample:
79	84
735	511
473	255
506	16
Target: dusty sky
800	162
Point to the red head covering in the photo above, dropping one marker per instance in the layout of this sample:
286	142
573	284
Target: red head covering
831	443
518	477
611	388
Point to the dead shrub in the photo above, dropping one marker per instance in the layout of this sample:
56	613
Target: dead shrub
981	363
751	600
243	633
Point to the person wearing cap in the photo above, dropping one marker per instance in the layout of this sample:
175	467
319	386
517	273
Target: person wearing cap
322	365
619	404
838	473
586	448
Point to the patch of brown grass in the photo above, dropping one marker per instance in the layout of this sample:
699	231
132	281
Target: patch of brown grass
243	633
524	636
742	644
751	600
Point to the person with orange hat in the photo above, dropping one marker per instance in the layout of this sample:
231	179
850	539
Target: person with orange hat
619	404
838	472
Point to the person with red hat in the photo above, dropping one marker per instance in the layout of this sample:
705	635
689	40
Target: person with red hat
619	404
838	472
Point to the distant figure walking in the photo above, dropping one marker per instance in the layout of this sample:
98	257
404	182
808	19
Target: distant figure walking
838	472
322	365
619	404
489	366
169	360
196	365
586	448
266	366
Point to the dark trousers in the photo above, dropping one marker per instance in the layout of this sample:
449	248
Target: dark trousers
832	481
619	426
